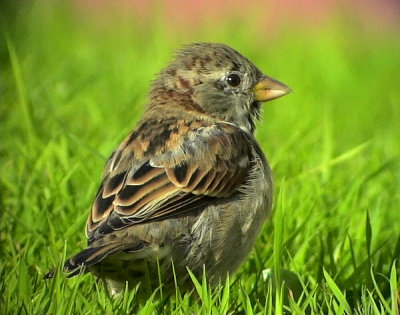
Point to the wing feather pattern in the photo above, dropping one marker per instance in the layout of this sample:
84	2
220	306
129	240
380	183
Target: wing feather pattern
186	176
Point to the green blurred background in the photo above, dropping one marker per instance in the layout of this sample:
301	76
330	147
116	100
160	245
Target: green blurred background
74	79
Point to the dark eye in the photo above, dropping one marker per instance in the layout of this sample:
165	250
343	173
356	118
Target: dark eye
233	79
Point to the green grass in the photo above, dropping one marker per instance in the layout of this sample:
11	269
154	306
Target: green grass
72	89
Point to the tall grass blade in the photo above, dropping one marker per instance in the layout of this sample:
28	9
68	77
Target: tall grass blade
337	293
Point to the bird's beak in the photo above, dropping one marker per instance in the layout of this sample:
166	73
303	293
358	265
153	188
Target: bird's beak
268	89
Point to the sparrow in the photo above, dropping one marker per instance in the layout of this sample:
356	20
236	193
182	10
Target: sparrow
189	187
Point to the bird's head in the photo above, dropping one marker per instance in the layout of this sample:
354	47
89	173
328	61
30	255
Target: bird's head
224	83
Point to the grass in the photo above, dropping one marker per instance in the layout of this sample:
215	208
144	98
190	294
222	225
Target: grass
71	90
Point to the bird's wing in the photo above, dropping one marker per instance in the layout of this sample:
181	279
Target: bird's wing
166	174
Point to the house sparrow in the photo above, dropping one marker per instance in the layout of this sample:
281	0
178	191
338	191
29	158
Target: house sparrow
190	185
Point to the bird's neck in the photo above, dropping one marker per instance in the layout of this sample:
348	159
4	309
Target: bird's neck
172	100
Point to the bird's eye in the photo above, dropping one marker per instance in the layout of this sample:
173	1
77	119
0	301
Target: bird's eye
233	79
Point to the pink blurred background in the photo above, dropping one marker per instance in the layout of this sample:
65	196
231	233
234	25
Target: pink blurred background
192	13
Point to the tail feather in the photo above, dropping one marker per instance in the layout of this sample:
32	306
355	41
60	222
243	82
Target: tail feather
93	255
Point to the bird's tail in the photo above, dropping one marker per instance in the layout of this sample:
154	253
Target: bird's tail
92	255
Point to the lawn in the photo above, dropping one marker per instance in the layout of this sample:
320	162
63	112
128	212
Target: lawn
72	88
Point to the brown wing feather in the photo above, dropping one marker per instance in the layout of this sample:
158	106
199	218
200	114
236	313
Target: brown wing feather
200	167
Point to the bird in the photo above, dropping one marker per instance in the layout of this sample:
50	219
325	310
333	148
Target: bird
189	188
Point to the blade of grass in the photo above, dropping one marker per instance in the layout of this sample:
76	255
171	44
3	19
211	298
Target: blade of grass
335	161
378	291
394	290
26	108
224	305
278	248
337	292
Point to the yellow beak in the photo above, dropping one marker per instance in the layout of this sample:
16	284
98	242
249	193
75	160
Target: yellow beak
268	89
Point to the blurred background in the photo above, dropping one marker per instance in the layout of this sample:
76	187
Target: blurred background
71	66
267	14
322	49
